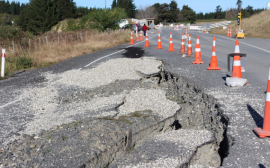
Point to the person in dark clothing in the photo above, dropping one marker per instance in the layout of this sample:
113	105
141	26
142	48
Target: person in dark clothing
144	28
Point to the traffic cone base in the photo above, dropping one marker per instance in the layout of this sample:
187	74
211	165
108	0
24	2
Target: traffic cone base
216	68
261	133
197	62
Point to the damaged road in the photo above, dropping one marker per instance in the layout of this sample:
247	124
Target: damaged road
140	116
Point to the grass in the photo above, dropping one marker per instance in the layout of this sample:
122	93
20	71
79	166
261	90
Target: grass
255	26
60	47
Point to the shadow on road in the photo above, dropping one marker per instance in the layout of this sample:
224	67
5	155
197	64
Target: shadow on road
256	116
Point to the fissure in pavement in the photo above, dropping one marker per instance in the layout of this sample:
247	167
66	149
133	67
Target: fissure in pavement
101	142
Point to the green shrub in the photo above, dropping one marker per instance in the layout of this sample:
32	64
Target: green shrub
72	25
23	62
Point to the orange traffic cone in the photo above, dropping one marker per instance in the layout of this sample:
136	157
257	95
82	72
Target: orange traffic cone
171	43
204	30
236	32
155	30
182	50
230	32
213	63
186	33
265	130
159	42
131	39
198	53
141	38
237	62
137	36
189	49
146	40
228	35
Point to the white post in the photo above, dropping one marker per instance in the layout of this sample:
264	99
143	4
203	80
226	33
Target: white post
3	63
13	46
47	40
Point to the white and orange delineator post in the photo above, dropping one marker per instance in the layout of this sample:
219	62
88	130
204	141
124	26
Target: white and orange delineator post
141	36
228	34
182	50
3	63
265	130
137	34
189	49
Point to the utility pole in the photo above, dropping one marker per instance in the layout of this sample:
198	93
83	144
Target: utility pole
105	4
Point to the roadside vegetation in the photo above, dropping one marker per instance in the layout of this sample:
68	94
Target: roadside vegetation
255	26
60	47
33	36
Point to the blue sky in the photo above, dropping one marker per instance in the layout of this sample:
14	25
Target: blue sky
196	5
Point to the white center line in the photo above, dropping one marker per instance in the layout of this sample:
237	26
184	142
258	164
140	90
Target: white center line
113	54
245	43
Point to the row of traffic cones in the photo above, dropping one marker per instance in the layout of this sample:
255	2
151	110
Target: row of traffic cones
236	72
213	64
137	37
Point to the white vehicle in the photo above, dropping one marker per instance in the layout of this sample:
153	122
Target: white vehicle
122	22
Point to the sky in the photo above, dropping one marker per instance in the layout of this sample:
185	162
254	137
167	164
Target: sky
197	5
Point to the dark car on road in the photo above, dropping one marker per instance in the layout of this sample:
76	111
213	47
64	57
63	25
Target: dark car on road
134	27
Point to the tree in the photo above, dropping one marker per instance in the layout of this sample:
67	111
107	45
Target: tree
218	12
239	4
200	15
114	5
250	10
64	9
172	14
103	19
163	12
40	15
188	14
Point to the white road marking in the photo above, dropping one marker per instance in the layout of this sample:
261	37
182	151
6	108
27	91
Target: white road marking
113	53
10	103
244	43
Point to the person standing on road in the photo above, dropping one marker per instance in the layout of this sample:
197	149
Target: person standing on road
144	28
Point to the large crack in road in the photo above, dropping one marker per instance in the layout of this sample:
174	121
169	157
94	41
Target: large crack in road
156	118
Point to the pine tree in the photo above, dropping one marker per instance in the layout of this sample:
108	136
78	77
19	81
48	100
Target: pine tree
64	9
114	4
